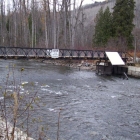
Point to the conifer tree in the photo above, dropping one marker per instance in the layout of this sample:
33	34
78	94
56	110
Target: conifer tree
123	16
107	25
103	28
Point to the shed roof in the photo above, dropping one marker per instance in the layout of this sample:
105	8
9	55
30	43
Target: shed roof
115	58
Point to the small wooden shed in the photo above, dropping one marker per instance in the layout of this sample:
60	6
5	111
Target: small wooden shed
113	65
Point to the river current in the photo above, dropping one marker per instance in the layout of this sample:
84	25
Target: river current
92	107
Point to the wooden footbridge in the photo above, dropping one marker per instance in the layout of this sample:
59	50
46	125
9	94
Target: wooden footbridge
45	53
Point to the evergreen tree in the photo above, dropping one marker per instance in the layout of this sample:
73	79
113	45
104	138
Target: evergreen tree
123	16
107	25
97	38
103	28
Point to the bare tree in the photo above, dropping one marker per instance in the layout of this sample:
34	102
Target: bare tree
15	22
2	21
45	3
54	23
32	24
75	18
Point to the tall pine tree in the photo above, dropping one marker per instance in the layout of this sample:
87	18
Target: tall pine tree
123	16
107	25
103	28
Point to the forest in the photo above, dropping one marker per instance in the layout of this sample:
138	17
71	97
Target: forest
57	24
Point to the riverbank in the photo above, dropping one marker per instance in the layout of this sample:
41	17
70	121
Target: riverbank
133	71
77	64
18	135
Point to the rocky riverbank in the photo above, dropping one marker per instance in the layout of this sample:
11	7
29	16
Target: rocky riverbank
77	64
133	71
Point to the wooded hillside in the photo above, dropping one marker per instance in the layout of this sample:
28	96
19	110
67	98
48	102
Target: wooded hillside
35	23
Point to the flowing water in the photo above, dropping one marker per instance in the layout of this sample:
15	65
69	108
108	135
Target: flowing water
92	107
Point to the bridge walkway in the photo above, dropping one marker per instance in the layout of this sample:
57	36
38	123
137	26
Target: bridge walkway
18	52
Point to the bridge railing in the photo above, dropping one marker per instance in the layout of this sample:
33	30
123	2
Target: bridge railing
46	53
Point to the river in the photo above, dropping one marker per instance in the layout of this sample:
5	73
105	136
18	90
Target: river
92	107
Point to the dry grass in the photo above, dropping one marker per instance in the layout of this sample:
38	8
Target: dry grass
132	53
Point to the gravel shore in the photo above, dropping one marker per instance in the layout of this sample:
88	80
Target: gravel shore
77	64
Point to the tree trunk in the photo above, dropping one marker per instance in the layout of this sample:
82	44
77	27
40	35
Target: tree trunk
2	23
46	30
32	23
54	23
15	23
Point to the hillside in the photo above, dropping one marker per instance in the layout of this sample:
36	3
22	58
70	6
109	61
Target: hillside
91	10
37	25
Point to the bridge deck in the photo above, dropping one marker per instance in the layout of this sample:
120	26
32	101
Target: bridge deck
11	52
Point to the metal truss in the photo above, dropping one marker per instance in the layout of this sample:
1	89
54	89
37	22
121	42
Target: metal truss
12	52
